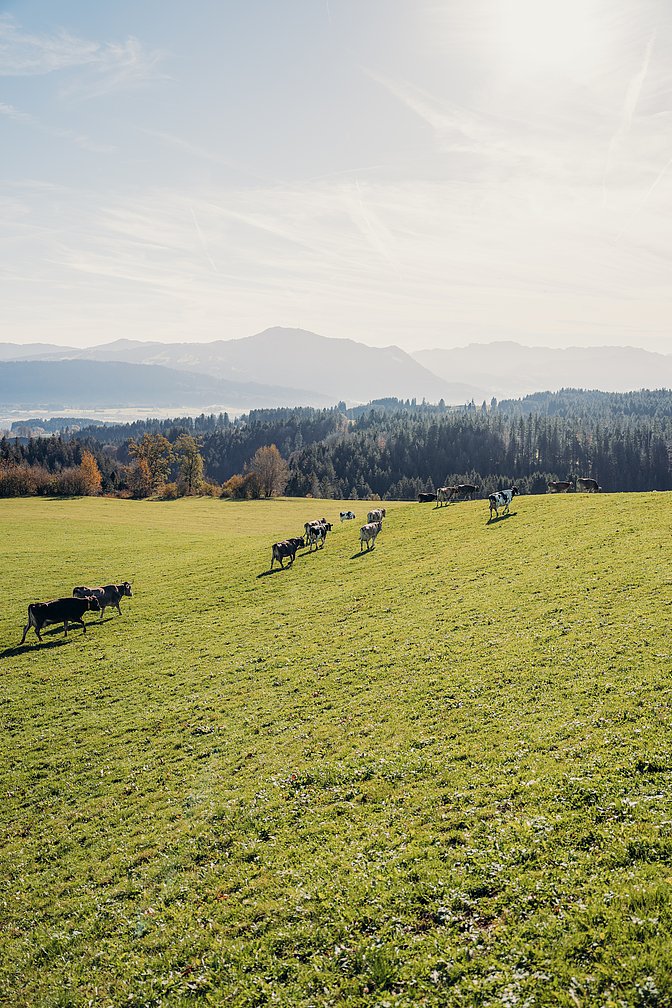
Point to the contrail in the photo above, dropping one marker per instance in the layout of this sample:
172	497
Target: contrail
202	241
629	108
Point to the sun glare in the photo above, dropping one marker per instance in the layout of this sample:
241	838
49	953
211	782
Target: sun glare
547	34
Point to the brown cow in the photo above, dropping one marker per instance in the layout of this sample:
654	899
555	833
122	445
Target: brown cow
62	610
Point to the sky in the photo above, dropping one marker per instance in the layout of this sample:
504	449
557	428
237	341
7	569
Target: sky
410	172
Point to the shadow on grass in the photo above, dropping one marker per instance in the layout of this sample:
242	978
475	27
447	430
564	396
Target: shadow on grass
276	570
361	553
500	518
52	632
20	649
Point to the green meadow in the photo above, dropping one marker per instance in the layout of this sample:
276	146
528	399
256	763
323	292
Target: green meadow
437	773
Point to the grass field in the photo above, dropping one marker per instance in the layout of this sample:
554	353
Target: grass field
434	774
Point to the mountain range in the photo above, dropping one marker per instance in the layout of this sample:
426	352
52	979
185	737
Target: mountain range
280	367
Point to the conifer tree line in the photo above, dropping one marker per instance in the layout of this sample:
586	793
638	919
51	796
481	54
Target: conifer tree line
391	449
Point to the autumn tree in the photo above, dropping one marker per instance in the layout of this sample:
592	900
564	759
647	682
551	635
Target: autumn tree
140	479
190	464
91	474
157	452
270	469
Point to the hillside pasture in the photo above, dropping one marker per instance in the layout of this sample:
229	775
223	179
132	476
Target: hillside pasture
434	773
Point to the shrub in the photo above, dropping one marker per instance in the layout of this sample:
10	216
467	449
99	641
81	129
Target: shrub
16	481
170	491
242	487
72	482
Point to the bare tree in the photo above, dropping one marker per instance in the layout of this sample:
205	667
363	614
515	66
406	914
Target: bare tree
271	470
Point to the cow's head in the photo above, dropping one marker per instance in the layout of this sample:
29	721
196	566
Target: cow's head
126	589
92	603
514	491
301	542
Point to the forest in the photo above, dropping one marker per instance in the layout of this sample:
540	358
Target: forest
392	449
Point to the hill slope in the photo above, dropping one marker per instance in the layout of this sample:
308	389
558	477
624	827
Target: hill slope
337	368
361	780
508	370
61	384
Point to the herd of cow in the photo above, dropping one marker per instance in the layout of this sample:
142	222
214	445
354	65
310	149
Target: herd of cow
71	610
466	491
315	534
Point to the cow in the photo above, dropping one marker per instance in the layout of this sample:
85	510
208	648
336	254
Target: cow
107	595
287	548
559	486
376	515
426	498
501	499
368	533
62	610
466	490
347	515
317	534
587	484
444	495
313	524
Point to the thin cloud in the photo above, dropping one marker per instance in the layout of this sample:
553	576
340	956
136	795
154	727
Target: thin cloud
16	115
112	65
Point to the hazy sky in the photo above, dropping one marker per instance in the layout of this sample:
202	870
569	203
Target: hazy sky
397	171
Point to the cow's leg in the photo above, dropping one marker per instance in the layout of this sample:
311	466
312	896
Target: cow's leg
25	631
65	626
118	608
102	610
82	624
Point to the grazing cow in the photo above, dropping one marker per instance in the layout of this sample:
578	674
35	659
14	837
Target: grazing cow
444	495
62	610
376	515
501	499
287	548
317	534
368	533
559	486
585	483
466	490
107	595
347	515
426	498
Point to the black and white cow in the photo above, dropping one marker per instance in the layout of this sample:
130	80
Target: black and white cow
347	515
62	610
313	524
317	534
587	485
376	515
107	595
287	548
501	499
368	533
466	490
444	495
559	486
